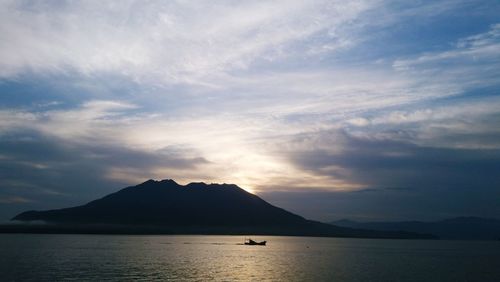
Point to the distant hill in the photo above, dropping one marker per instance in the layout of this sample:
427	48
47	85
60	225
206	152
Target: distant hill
165	207
459	228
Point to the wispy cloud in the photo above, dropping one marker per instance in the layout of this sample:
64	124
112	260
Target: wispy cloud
14	200
483	46
159	42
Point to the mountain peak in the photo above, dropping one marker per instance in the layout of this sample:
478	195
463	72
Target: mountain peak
164	182
197	185
168	181
211	185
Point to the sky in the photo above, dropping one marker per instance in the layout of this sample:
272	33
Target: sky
367	110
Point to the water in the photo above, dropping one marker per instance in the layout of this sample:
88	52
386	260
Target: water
221	258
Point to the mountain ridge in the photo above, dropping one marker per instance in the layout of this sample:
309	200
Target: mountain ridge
166	207
457	228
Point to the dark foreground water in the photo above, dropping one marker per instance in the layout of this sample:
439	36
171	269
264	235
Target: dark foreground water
221	258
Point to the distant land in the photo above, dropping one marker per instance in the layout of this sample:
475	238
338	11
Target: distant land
459	228
165	207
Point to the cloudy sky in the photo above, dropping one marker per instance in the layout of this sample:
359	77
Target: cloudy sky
368	110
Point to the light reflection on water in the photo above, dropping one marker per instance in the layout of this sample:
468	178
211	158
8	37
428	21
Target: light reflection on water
223	258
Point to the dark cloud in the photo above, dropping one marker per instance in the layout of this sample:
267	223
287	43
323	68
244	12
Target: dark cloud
389	163
403	180
39	172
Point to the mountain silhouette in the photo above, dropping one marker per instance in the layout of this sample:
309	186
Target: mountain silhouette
165	207
459	228
168	203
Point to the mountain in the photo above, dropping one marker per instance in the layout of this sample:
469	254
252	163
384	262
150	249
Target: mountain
168	203
459	228
165	207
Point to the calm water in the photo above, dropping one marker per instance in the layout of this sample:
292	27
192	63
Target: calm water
204	258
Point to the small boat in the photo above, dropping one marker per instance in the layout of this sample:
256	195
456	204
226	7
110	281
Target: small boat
253	243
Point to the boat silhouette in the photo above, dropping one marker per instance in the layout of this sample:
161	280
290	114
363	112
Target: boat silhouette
254	243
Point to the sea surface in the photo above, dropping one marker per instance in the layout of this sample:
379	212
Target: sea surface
25	257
